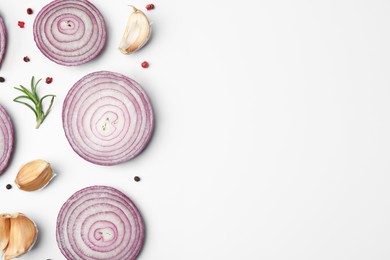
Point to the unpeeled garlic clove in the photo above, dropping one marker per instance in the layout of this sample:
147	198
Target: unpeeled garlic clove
17	235
34	175
137	32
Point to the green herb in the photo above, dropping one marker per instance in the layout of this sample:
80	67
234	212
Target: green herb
32	95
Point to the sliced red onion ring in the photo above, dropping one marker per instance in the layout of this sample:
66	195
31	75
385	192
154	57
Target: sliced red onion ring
3	39
100	222
107	118
70	32
6	139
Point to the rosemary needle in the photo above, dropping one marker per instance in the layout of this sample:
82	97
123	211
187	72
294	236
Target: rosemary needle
37	106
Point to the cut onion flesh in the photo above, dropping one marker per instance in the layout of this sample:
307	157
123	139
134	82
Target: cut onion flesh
6	139
100	222
3	39
70	32
107	118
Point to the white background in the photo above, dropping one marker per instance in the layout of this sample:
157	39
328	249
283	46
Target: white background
272	136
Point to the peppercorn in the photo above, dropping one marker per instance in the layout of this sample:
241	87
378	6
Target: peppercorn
21	24
29	11
137	179
26	59
2	79
9	186
145	64
149	6
49	80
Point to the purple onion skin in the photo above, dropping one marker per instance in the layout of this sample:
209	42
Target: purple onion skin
3	39
65	46
88	210
80	138
7	129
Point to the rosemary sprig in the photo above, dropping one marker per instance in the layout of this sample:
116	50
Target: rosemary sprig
37	106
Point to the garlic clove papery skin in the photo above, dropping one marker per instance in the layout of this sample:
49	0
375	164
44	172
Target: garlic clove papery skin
34	175
137	32
22	235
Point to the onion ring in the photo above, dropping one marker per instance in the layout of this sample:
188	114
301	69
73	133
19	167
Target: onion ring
3	39
6	139
100	222
70	32
107	118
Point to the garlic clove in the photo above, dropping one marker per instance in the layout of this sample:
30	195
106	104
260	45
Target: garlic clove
137	32
34	175
22	235
4	232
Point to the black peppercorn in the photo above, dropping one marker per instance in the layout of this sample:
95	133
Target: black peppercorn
137	179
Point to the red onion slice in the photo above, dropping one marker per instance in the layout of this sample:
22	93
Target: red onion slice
107	118
70	32
3	39
100	222
6	139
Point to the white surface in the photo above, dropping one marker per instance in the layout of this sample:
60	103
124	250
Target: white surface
272	136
